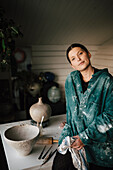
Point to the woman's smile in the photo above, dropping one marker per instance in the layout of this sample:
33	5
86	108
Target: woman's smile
81	63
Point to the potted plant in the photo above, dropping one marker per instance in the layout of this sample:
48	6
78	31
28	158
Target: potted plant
9	31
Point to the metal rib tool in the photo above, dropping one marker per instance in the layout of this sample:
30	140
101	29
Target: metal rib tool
42	152
46	152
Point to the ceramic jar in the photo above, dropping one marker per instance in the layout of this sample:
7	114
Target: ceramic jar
34	89
54	94
40	109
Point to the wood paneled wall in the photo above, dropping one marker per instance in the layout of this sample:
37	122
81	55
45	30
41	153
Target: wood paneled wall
52	58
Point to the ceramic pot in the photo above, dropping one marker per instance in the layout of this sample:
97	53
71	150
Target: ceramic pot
54	94
34	89
40	109
22	138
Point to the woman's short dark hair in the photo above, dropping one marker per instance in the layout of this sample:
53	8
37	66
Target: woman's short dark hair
73	46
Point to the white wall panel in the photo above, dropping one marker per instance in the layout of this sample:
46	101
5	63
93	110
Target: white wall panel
49	60
103	62
52	66
104	58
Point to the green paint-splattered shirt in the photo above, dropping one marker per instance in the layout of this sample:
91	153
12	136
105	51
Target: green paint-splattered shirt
90	115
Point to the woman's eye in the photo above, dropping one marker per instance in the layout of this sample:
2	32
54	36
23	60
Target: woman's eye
80	53
73	59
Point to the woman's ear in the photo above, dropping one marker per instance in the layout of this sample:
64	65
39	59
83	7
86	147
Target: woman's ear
89	54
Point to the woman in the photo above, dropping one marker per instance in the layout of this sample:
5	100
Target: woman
89	106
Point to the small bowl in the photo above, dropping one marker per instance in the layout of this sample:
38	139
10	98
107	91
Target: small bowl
22	138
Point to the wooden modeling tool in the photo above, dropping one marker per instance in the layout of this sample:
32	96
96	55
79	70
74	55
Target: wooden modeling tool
46	141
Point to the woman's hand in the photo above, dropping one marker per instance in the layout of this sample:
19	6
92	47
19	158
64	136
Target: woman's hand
77	144
62	125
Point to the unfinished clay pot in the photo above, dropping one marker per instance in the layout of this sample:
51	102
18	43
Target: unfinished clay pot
22	138
40	109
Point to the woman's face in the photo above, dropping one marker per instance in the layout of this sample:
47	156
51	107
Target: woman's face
80	60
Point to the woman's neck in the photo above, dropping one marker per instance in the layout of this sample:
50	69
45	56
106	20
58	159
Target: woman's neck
87	74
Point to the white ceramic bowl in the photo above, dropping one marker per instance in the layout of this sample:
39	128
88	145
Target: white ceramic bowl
22	138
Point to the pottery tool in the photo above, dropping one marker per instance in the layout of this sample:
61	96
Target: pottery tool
42	152
49	156
40	126
41	121
46	152
46	140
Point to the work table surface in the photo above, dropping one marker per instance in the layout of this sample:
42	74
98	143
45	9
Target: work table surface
31	161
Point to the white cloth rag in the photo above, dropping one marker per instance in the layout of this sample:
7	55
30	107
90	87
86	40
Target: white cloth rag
78	157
